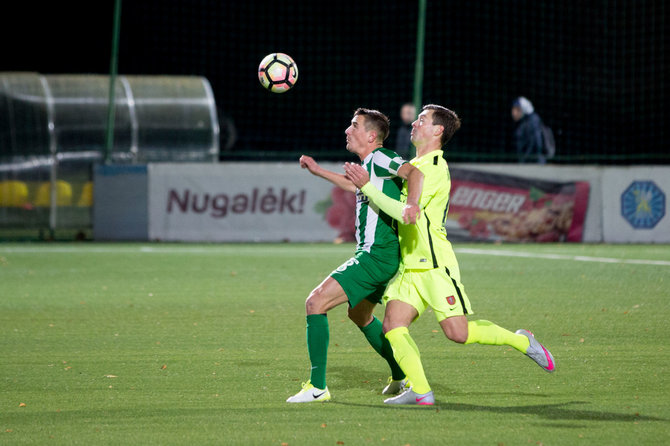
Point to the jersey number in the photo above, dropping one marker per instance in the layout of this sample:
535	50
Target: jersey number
347	264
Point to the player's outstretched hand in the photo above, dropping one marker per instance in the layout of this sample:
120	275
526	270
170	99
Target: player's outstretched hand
307	162
411	213
356	174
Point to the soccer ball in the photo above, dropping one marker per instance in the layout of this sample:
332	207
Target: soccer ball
278	72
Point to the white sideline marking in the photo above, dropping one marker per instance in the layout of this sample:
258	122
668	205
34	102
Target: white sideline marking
227	249
531	255
283	249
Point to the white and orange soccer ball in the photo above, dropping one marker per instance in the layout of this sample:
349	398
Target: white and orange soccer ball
278	72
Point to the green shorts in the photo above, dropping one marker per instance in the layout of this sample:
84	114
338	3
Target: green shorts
438	288
365	277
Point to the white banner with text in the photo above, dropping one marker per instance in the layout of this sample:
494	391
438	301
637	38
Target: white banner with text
241	202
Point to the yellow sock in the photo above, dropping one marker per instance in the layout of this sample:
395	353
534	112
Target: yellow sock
406	353
485	332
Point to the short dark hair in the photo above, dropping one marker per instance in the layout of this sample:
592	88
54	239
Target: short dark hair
374	119
446	118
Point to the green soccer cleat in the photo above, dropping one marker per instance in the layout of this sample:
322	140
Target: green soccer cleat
309	394
396	386
411	397
538	353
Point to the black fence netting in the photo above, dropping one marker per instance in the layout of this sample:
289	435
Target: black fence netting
595	71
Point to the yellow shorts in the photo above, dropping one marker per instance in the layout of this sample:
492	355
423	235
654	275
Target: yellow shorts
438	288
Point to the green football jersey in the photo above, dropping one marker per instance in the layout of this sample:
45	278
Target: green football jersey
375	230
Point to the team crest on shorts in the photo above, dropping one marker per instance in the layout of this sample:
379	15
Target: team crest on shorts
451	300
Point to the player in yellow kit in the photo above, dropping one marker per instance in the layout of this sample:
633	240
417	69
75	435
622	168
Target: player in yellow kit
429	273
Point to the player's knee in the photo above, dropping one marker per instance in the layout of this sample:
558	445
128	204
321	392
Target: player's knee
310	305
455	329
359	318
458	336
353	316
387	326
313	304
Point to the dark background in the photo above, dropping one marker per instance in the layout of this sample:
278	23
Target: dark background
596	71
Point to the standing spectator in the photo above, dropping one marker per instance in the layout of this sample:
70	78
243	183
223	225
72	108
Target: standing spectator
528	133
403	145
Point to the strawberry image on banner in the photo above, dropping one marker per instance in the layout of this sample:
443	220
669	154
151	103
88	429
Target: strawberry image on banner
339	210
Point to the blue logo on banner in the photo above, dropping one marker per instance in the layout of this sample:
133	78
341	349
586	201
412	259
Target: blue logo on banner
643	204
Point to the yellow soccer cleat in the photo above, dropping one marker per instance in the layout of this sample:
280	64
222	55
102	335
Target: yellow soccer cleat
395	387
309	394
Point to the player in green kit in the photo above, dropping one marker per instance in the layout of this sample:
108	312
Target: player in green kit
361	280
429	275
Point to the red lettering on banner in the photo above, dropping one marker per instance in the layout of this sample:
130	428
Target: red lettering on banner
240	203
203	207
173	197
268	202
220	205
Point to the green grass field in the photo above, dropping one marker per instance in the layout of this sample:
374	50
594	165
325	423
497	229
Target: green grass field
202	344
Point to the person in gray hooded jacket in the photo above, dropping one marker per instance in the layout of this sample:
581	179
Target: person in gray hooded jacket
528	133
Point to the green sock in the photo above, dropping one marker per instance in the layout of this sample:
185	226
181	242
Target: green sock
485	332
375	336
318	336
407	354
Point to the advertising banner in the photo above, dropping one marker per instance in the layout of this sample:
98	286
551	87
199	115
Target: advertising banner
635	205
243	202
269	202
495	207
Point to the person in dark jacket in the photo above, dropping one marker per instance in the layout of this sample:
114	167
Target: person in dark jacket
528	133
403	145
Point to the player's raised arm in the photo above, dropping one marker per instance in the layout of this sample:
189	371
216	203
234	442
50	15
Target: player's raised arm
338	179
414	178
407	214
